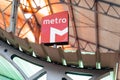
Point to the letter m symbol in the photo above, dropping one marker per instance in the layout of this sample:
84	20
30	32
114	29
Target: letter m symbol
54	31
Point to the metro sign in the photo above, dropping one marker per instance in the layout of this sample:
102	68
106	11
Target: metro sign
55	28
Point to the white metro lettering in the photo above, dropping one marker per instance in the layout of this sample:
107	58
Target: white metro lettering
55	21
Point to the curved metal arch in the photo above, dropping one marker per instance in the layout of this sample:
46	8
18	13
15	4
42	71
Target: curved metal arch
51	69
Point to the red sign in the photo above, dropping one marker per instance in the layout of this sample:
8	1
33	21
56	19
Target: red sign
55	28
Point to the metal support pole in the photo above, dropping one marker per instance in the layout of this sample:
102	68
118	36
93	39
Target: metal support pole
98	64
80	61
13	18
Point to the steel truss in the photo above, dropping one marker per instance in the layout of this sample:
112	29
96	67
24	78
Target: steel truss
90	5
96	6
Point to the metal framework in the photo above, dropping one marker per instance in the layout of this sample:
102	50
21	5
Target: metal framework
96	6
89	5
49	68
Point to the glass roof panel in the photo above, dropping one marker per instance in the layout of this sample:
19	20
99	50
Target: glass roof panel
4	78
75	76
44	77
8	71
109	77
28	68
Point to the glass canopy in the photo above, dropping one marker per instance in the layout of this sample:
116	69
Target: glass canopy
28	68
8	71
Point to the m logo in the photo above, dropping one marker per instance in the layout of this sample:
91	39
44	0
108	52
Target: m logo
55	28
54	31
